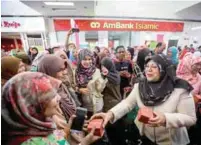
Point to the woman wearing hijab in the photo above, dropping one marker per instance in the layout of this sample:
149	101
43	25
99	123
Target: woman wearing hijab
33	52
111	93
138	67
70	82
34	98
142	54
96	54
188	69
56	67
111	97
131	50
90	83
25	59
167	96
10	66
26	107
172	54
106	52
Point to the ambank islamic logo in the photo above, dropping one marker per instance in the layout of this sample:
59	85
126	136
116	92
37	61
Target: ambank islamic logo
95	25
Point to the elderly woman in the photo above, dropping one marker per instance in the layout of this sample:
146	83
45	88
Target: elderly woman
28	99
167	96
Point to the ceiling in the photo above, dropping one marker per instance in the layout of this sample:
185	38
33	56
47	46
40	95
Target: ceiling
143	9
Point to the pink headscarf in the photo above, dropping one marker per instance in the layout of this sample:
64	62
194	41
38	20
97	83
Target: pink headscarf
184	70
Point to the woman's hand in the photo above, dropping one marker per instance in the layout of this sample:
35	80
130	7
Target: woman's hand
109	116
104	70
84	91
90	138
70	32
158	120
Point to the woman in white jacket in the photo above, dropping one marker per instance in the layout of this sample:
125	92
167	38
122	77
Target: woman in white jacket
169	99
90	82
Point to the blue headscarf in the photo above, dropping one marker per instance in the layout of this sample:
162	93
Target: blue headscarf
174	57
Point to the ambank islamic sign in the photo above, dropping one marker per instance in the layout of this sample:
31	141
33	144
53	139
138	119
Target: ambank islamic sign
126	25
119	25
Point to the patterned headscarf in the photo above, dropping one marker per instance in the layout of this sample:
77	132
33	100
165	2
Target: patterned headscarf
84	75
184	68
23	100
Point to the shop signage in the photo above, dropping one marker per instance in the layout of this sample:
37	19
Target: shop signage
120	25
19	24
10	24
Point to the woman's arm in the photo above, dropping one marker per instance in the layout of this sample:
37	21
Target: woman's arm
185	115
67	39
126	105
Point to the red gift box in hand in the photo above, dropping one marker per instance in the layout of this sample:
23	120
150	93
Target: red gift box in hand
145	114
98	123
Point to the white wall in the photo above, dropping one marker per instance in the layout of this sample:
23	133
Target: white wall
124	39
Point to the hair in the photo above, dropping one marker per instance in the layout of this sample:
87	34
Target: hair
159	44
118	47
98	48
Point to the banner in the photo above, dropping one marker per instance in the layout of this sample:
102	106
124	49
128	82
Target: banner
19	24
121	25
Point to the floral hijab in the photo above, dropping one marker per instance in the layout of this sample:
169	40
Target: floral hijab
23	100
83	75
184	68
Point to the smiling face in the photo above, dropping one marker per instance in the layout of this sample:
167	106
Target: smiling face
87	62
152	71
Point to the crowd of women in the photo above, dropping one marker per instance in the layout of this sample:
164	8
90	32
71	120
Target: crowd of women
41	92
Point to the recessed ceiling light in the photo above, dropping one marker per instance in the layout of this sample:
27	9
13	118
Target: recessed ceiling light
196	28
59	3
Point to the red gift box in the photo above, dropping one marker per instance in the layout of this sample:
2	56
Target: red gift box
98	123
145	114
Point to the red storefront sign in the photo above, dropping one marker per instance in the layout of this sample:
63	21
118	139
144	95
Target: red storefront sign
120	25
62	25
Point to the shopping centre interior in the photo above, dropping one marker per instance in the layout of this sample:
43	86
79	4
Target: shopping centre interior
128	23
